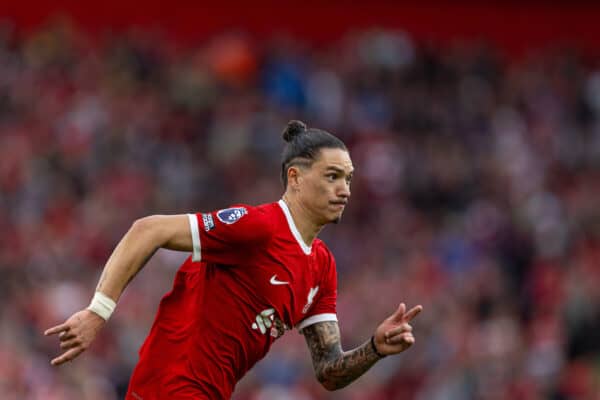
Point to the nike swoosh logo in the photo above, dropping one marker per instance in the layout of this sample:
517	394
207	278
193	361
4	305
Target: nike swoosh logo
274	281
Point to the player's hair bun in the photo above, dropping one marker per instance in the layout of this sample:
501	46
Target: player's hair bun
294	128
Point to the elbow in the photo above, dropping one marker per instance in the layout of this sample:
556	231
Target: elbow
328	383
330	386
147	228
144	225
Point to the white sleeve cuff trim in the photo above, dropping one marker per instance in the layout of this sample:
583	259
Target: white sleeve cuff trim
196	254
314	319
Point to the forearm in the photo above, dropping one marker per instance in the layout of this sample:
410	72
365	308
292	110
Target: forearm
335	368
129	257
341	371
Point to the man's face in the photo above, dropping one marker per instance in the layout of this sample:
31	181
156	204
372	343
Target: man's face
324	187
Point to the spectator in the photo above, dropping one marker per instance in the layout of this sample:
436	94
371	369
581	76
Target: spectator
478	181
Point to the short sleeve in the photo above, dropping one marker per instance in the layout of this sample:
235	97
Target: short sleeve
324	308
229	235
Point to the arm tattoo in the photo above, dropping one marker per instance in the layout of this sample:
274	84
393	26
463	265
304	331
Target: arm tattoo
335	368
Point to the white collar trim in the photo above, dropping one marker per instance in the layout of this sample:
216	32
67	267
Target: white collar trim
305	248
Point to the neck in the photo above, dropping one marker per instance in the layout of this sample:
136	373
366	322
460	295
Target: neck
303	219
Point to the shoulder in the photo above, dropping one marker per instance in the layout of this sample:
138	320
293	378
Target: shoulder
269	213
254	223
321	247
324	254
242	212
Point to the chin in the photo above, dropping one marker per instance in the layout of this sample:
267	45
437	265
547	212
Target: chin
331	217
336	219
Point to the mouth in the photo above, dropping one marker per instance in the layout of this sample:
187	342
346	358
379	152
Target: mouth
340	204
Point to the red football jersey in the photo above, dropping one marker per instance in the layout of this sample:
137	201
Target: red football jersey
250	278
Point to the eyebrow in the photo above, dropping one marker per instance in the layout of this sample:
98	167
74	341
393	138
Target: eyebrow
339	170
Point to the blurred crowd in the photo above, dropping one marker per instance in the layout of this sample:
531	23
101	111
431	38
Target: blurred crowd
476	194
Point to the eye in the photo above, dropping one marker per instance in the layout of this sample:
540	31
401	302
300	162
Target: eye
331	177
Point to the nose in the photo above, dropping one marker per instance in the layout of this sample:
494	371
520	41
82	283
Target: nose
344	190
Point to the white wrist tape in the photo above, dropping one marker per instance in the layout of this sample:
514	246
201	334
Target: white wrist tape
102	305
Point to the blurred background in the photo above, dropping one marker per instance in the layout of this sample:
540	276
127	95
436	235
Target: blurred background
474	130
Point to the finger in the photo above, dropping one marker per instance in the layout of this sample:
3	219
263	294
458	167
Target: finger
404	339
397	316
67	356
57	329
398	337
400	329
413	312
69	344
66	335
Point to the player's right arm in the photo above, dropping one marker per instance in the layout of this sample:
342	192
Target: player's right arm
145	236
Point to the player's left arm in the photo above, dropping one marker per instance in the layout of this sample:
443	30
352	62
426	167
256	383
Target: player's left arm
336	368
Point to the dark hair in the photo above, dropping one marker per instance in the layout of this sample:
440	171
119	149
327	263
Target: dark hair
303	146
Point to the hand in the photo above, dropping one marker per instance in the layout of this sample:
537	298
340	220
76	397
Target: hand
76	334
394	334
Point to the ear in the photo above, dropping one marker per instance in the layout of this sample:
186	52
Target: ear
294	177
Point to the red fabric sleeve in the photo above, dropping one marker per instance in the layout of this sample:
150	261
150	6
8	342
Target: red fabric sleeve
228	236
